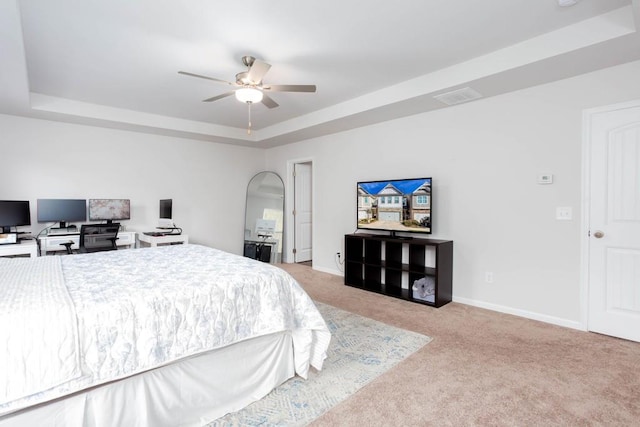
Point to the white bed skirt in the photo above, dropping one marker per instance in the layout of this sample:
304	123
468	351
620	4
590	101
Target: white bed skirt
190	392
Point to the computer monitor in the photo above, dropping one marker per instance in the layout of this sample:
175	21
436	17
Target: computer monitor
109	209
166	213
14	213
166	207
62	210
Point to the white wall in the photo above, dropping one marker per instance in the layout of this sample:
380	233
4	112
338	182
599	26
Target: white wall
484	158
207	181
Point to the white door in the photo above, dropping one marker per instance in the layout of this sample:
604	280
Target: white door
614	222
302	212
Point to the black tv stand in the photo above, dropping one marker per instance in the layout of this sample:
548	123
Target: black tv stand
393	235
390	266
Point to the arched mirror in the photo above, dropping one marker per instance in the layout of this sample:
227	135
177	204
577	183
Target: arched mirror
264	214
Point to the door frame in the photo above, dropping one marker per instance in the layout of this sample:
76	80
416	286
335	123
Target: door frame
587	117
290	206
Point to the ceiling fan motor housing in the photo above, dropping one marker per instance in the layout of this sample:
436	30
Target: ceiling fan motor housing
243	79
248	60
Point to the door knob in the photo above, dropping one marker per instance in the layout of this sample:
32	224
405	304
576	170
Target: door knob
598	234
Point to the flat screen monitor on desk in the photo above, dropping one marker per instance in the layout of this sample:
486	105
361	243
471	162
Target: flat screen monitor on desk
109	210
14	213
62	211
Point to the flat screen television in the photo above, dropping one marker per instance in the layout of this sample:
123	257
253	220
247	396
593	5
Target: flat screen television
109	210
14	213
396	205
62	210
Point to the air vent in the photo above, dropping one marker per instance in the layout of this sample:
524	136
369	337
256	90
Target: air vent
458	96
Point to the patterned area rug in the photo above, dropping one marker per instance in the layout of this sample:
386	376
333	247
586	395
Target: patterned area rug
361	349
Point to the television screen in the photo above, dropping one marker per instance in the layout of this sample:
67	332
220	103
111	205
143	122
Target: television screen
14	213
62	210
109	209
398	205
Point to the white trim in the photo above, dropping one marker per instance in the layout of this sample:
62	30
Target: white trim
287	254
558	321
587	118
329	270
613	107
522	313
585	219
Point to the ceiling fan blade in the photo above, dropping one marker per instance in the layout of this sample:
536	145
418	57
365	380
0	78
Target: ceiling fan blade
204	77
290	88
269	102
257	71
215	98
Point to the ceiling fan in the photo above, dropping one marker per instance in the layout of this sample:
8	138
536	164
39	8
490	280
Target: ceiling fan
249	85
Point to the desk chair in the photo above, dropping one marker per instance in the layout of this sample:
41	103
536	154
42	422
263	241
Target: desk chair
96	238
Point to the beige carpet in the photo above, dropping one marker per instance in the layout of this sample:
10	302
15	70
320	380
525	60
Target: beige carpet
361	350
485	368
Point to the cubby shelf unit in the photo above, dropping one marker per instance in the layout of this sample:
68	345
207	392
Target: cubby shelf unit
390	265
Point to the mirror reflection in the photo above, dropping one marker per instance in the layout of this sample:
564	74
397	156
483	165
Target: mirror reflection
264	214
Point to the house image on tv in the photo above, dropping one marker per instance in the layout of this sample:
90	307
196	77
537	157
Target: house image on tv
367	206
399	204
420	205
391	203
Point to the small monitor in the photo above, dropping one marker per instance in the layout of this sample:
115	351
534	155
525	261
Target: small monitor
109	209
14	213
166	213
166	207
62	210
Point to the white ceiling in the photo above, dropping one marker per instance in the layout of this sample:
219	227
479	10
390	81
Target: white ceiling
115	63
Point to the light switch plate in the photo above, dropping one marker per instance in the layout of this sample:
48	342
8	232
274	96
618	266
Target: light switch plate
564	213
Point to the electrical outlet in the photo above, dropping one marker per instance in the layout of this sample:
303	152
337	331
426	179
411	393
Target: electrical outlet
488	276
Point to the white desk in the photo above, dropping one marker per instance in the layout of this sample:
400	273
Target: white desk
54	243
25	247
162	240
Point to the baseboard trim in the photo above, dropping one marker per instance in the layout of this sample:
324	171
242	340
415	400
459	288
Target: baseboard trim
523	313
558	321
328	270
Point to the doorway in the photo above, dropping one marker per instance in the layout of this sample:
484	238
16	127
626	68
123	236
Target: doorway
303	212
611	246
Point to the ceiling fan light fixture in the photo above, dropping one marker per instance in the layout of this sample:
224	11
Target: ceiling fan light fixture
249	95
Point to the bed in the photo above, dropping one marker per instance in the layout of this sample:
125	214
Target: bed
173	335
